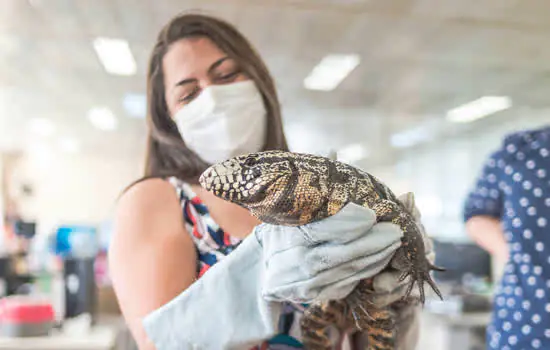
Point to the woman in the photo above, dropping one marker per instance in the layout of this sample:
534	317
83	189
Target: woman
507	214
210	97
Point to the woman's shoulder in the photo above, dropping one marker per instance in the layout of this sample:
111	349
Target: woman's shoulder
527	139
149	205
148	192
149	237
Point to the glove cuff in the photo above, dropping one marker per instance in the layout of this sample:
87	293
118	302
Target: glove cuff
242	317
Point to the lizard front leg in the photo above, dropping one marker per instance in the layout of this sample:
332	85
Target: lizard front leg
410	258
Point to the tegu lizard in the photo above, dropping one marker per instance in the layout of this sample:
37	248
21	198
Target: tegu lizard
286	188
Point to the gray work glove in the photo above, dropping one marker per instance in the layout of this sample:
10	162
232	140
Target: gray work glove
223	309
243	292
326	259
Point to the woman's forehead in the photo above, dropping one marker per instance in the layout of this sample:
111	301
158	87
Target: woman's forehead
190	58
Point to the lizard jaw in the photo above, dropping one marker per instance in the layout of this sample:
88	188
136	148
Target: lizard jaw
213	178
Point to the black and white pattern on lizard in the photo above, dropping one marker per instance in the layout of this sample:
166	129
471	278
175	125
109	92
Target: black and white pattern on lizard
293	189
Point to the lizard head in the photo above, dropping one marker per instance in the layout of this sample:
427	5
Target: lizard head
247	179
276	187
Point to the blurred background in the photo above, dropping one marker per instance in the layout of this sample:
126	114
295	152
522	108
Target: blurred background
381	83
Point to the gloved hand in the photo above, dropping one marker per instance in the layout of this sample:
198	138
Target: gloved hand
223	309
317	261
326	259
386	285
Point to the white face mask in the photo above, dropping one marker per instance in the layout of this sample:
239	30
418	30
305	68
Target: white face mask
224	121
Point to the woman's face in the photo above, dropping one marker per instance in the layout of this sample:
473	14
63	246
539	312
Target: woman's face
192	64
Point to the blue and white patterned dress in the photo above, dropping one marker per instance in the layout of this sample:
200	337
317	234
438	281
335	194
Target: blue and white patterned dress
515	187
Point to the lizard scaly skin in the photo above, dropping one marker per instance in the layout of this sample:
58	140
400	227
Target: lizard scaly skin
285	188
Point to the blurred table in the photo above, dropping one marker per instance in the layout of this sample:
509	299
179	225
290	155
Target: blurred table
99	337
463	331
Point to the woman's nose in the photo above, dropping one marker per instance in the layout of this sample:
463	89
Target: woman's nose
205	82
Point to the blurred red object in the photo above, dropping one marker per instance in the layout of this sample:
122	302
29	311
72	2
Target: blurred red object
25	310
25	316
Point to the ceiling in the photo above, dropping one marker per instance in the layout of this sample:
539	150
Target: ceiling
419	58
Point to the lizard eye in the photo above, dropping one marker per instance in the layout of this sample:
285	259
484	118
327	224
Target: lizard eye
250	161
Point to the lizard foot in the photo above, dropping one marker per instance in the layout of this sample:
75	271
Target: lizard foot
419	276
357	303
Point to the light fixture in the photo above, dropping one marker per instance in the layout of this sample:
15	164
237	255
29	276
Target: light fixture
352	153
115	56
331	71
102	118
479	108
410	137
69	145
41	126
135	105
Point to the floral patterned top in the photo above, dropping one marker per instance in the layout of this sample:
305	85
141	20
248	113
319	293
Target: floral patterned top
213	244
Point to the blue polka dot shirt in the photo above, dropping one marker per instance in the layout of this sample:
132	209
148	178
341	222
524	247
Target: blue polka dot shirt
514	186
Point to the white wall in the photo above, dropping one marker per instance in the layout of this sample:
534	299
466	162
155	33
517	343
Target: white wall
71	189
1	204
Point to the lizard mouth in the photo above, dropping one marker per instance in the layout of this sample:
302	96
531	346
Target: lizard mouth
211	178
224	178
240	185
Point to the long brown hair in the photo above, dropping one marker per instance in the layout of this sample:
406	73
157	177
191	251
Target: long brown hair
167	153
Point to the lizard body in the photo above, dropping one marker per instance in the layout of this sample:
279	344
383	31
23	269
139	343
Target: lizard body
293	189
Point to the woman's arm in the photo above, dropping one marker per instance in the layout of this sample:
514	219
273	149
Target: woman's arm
487	232
152	258
484	206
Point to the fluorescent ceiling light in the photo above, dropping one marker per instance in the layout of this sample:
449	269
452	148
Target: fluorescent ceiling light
352	153
115	56
479	108
41	126
411	137
103	118
135	105
69	145
330	72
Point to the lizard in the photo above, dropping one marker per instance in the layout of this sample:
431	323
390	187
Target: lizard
295	189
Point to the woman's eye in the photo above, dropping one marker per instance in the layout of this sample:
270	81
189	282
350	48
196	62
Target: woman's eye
189	97
229	76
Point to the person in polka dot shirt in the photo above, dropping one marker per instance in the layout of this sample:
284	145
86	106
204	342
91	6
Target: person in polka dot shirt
507	214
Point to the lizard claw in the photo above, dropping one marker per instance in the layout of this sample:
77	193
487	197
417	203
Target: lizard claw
420	277
355	304
437	268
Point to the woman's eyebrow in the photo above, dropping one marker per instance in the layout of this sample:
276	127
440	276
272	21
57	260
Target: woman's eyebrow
217	64
212	67
185	81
